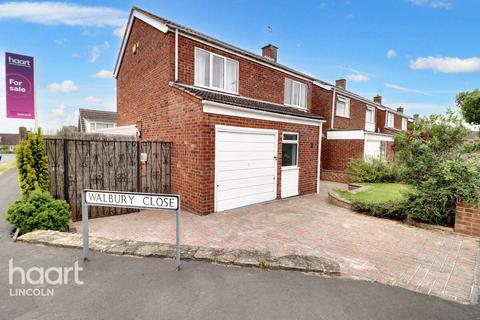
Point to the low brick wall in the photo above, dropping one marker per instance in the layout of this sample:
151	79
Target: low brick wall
467	220
336	176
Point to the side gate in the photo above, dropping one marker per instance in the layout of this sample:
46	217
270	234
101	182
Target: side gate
134	166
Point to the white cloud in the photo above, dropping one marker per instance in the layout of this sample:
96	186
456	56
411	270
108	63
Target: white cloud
57	13
358	77
119	32
103	74
64	87
96	51
391	54
447	64
93	100
58	112
433	4
405	89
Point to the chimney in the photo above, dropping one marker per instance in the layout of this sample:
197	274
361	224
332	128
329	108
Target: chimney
342	83
400	109
270	52
378	99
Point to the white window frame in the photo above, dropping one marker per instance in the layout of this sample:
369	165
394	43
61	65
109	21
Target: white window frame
95	123
404	124
347	107
393	120
371	108
225	59
290	142
290	104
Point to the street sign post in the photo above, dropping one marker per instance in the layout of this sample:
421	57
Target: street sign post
151	201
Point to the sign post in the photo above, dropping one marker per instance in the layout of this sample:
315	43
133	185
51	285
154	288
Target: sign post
104	198
20	86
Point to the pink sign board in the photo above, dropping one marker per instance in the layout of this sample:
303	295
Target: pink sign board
20	86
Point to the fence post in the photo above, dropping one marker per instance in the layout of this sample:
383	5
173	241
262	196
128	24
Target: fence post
139	180
65	171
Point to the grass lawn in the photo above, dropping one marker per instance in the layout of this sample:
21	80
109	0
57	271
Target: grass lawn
7	165
377	193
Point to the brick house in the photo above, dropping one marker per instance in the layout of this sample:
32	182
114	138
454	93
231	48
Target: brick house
245	129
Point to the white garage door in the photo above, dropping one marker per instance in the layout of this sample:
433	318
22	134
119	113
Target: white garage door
245	166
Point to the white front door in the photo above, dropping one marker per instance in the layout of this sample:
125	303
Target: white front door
245	166
290	169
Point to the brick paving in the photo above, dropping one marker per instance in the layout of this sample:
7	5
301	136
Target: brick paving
435	262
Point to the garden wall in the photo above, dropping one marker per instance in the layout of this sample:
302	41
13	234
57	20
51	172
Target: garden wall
467	220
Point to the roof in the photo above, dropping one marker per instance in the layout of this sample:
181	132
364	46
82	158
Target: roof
167	25
9	139
95	115
244	102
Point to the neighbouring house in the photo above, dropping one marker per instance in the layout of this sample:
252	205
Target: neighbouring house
90	121
355	127
244	128
8	141
473	137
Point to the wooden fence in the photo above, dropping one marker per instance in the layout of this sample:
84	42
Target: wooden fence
106	164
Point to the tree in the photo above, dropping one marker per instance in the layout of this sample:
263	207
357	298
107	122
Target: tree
469	104
32	163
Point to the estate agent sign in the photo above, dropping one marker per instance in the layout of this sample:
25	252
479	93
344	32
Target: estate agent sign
133	200
20	86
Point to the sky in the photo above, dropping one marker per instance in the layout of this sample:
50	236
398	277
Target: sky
415	53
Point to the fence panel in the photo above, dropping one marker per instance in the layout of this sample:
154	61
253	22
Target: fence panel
77	164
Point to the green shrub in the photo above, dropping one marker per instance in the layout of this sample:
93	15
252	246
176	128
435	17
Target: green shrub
37	210
32	164
394	209
373	170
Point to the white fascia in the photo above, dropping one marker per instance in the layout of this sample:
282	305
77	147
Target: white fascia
358	135
145	18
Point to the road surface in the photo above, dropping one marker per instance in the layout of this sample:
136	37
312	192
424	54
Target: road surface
119	287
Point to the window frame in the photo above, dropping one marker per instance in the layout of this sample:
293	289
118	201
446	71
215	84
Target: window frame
404	123
370	108
210	71
290	142
393	120
347	106
300	85
95	123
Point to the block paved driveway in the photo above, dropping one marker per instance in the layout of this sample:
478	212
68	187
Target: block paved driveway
433	262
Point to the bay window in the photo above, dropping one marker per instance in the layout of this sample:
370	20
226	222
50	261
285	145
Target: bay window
216	72
295	93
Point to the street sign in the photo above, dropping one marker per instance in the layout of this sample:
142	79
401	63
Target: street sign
133	200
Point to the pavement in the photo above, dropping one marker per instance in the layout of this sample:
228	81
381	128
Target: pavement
122	287
435	262
7	157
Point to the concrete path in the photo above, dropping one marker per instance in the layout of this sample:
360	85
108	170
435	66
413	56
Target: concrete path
427	261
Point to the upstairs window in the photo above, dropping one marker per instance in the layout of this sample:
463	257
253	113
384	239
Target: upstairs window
216	72
404	124
390	122
370	115
295	93
343	107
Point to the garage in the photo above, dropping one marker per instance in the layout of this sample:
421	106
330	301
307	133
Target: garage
245	166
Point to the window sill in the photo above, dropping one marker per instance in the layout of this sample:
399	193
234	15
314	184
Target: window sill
290	168
345	117
217	90
296	107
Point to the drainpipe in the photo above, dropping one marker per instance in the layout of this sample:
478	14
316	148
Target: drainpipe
333	108
320	129
176	55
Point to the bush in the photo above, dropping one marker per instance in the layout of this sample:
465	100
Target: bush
32	164
373	171
394	209
37	210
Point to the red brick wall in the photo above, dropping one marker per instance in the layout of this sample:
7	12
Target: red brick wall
256	81
334	175
467	220
308	151
337	153
357	116
380	116
322	105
